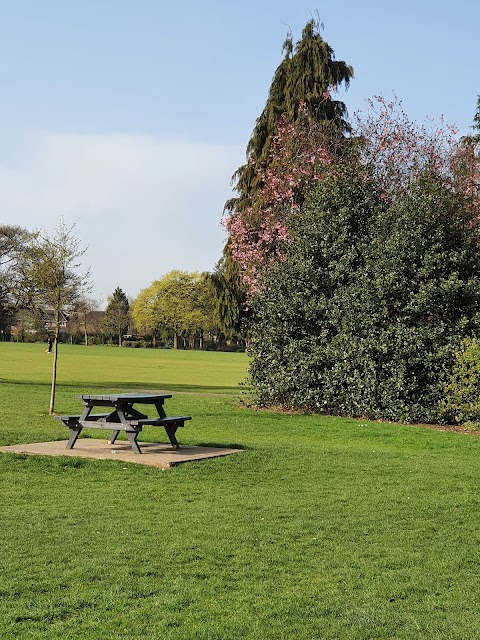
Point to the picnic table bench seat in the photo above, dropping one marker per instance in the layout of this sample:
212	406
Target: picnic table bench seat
75	418
162	422
101	422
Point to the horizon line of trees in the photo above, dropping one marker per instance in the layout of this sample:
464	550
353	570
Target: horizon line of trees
180	310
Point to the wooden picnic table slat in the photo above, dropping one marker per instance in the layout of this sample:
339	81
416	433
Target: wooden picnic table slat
145	398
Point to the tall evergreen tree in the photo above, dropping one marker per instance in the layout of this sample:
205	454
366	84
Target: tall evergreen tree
475	138
117	315
301	88
307	76
230	295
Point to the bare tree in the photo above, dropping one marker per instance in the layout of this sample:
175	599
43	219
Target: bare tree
50	268
83	310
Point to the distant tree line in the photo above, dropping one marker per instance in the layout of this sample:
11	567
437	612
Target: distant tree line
180	310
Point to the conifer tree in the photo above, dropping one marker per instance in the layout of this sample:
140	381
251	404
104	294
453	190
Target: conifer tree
230	295
475	138
117	315
306	77
301	88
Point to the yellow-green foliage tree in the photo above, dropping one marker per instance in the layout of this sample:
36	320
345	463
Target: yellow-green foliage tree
462	392
180	303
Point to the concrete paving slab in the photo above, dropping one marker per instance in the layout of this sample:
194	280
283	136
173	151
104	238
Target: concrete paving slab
153	454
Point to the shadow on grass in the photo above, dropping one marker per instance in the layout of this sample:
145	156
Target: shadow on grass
140	386
223	445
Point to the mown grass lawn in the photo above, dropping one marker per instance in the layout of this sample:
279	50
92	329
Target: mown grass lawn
322	528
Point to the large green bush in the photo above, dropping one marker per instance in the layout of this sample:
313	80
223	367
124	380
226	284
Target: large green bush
364	314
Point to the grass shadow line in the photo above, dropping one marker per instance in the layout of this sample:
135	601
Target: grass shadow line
140	386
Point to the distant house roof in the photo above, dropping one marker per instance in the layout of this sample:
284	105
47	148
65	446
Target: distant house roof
49	319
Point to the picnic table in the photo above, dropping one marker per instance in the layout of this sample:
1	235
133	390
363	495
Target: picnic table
123	417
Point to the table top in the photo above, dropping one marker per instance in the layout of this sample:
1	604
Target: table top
141	398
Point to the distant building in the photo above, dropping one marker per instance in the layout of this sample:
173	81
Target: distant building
27	322
49	320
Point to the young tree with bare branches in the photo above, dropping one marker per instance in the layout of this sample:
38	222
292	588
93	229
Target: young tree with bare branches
50	267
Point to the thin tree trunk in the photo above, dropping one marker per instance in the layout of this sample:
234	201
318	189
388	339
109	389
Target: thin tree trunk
54	375
55	357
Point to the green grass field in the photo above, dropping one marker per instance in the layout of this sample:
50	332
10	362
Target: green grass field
322	528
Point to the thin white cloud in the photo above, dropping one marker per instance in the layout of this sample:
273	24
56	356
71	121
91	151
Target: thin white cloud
143	205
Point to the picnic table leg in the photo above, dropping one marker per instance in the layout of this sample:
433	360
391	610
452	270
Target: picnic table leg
171	429
132	438
113	436
74	433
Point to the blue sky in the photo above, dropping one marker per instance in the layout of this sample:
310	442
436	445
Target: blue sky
129	118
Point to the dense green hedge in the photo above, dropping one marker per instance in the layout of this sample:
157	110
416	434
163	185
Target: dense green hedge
366	311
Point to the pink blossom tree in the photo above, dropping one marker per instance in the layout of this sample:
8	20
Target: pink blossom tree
298	154
383	141
398	150
305	81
